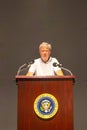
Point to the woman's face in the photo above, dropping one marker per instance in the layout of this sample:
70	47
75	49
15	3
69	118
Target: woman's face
44	53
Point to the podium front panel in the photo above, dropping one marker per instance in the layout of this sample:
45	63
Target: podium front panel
30	88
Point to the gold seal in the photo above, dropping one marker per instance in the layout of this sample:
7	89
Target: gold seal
45	106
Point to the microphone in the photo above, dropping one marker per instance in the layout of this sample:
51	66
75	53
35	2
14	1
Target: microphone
29	63
60	65
57	64
24	66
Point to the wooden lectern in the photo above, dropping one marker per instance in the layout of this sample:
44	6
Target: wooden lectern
29	88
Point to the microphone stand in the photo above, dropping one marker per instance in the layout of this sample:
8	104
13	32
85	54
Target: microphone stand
24	66
21	68
60	65
66	70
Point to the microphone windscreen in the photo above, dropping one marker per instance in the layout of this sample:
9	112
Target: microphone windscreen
55	64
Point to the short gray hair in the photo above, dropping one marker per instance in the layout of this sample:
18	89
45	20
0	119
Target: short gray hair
45	44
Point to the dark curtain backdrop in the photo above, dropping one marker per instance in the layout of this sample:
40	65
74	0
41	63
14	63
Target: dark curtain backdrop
24	24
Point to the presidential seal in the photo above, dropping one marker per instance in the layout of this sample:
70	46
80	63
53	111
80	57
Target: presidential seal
45	106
